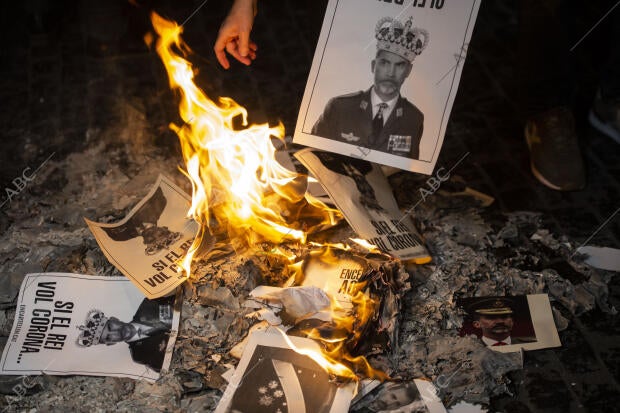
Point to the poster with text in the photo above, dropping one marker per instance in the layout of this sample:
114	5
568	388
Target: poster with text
384	78
362	193
89	325
151	241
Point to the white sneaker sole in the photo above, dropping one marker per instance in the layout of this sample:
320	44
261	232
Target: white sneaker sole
542	179
604	128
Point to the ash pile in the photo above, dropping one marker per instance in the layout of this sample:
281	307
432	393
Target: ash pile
415	333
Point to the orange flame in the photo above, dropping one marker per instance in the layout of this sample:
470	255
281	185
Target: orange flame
238	185
236	181
347	322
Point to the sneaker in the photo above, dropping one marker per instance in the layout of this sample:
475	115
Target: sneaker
605	117
555	158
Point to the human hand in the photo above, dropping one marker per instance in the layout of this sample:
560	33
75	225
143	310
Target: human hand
234	34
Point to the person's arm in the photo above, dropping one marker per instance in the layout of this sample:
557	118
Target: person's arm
234	34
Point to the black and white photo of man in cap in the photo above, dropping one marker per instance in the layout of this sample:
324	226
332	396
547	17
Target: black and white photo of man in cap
380	118
146	334
494	318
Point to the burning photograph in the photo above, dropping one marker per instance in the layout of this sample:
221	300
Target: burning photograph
363	194
276	375
151	242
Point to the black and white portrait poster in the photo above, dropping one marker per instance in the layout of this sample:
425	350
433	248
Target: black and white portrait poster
362	192
384	78
151	241
89	325
510	323
273	378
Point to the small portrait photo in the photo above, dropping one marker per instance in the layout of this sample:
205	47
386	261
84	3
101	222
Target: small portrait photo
395	396
498	321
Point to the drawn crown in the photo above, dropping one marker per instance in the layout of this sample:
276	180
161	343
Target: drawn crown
90	332
406	41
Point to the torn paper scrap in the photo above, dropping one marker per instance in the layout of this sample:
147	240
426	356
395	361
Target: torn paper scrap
604	258
296	301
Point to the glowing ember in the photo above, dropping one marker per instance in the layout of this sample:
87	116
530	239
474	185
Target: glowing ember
236	181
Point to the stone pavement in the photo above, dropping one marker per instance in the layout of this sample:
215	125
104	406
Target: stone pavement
69	68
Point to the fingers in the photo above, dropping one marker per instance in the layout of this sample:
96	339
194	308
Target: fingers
233	45
244	40
233	48
221	57
219	48
234	34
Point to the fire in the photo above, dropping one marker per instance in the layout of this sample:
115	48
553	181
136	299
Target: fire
236	182
238	186
348	319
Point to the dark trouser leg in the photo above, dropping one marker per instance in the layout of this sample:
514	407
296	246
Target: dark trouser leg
545	62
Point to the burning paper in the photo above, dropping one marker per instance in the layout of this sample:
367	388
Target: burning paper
237	184
298	302
149	244
345	302
511	323
274	377
337	272
96	326
363	194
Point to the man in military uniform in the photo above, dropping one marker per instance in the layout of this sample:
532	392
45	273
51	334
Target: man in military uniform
146	334
380	118
493	316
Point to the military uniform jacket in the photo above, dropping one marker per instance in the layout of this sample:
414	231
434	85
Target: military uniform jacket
152	350
348	119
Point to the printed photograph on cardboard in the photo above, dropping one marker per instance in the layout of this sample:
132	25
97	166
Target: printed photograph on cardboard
68	324
511	322
384	78
272	377
149	242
